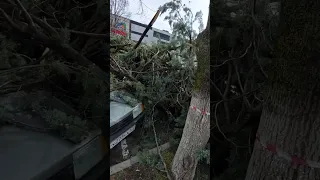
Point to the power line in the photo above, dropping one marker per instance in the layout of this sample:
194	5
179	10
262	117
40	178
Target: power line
147	6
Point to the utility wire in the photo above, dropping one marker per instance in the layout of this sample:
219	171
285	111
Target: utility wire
147	6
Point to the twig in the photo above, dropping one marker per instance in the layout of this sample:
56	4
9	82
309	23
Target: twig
217	124
82	7
93	35
225	94
155	70
23	67
45	25
258	59
240	113
224	62
158	149
240	96
18	54
5	83
54	15
241	87
151	59
13	24
26	15
119	45
216	88
226	91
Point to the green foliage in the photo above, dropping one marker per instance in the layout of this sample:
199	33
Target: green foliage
165	74
70	127
168	158
96	93
149	159
204	155
154	160
182	19
94	90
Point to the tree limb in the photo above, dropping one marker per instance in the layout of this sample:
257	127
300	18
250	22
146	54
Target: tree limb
53	43
13	24
45	26
94	35
26	15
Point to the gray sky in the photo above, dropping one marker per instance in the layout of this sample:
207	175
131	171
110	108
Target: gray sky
151	6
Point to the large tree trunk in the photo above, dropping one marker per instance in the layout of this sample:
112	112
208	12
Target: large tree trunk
287	145
196	131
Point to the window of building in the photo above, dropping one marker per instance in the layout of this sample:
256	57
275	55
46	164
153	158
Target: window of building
162	36
139	24
135	32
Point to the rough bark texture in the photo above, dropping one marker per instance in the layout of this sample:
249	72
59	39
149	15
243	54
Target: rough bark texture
291	118
196	134
196	131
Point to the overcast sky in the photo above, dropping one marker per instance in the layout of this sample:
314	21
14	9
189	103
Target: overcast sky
151	6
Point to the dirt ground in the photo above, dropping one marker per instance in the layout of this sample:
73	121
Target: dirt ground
139	172
143	172
143	140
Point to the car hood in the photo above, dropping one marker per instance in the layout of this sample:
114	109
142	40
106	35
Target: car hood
118	111
24	154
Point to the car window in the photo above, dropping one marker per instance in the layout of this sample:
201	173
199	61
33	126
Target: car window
118	111
123	97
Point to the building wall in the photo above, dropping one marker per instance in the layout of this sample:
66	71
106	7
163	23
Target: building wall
120	25
133	30
151	37
164	35
136	31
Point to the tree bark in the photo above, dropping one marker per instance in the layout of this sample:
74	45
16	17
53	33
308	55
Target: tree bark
289	128
196	131
195	136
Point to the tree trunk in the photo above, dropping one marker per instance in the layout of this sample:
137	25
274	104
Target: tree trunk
195	136
287	145
196	131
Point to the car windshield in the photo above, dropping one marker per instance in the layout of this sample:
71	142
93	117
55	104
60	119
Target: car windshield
121	104
123	97
118	111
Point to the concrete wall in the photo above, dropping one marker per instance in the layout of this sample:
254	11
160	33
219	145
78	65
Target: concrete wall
133	29
136	31
151	37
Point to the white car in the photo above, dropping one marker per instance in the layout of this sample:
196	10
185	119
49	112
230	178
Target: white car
125	113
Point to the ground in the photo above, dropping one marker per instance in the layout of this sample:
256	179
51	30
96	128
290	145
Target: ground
137	172
139	140
140	171
143	139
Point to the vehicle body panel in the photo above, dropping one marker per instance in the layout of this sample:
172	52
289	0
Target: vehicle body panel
125	111
37	155
28	152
